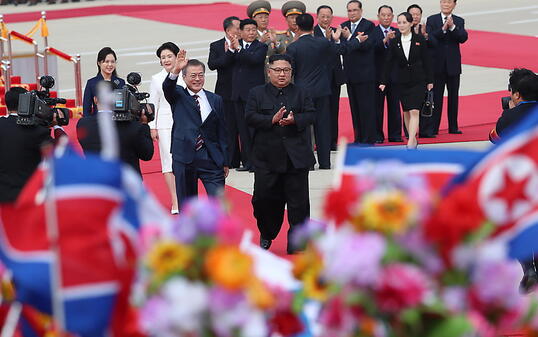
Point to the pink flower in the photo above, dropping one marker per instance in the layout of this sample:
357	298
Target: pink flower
401	286
495	283
230	230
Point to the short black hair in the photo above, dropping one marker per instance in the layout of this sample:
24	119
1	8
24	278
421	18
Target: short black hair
324	7
414	6
408	16
384	6
229	22
168	46
528	88
280	57
247	22
305	22
193	63
356	2
517	75
12	98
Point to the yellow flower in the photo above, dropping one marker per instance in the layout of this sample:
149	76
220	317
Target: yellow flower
309	260
229	267
168	257
259	295
314	287
387	212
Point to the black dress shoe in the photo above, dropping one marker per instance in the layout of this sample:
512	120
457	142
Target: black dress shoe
325	167
265	244
426	136
380	141
395	140
242	169
529	281
455	132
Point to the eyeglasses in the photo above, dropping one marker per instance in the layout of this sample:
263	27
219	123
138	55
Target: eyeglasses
281	70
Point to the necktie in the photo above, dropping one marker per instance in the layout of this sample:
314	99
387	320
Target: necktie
386	32
199	140
247	45
353	27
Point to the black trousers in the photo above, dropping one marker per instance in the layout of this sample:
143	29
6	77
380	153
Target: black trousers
394	114
272	192
234	152
452	84
335	108
322	130
203	168
361	100
245	133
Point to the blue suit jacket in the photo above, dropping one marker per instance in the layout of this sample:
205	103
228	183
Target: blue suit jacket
88	106
188	125
446	54
359	59
249	69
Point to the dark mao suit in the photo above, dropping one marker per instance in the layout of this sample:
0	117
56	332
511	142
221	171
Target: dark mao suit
359	65
206	164
447	68
282	156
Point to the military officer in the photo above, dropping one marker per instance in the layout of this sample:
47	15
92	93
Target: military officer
290	10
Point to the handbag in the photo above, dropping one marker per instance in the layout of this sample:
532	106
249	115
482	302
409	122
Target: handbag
427	107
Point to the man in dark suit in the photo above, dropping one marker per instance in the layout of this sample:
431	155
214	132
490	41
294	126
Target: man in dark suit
199	139
20	148
281	114
221	58
449	32
382	35
359	65
312	74
337	76
248	72
134	137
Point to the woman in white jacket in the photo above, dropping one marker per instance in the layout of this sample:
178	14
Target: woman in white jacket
161	127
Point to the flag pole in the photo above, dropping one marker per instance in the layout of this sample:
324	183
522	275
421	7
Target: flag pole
53	233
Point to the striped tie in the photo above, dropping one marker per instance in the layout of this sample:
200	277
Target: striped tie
199	140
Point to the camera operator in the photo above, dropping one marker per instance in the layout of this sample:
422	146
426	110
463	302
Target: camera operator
20	148
523	87
134	136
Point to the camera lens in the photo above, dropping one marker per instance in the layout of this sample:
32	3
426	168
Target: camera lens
46	81
134	78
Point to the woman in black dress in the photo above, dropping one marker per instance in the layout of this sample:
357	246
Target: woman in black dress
408	52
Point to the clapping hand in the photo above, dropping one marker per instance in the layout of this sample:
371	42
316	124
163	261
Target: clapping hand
361	37
450	22
382	87
337	33
279	115
181	62
288	120
346	33
265	37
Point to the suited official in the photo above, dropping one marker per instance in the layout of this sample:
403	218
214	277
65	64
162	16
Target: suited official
199	140
20	148
383	35
449	32
290	10
359	65
221	59
259	11
337	76
312	74
281	114
134	137
248	72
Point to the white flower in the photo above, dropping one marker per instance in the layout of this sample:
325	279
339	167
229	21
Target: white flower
255	326
188	301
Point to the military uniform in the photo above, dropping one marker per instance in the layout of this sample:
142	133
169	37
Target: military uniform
284	38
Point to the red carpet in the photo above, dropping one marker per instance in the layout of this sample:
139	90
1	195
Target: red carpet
485	49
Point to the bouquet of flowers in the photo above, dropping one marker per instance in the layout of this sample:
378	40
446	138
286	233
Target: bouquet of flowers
386	268
196	281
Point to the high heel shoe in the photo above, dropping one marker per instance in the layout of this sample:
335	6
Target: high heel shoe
174	211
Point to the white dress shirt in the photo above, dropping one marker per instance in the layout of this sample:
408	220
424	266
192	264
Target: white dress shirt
353	30
163	111
205	107
406	44
443	18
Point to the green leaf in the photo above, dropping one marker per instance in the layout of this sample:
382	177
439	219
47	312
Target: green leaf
410	317
454	277
482	233
454	326
298	301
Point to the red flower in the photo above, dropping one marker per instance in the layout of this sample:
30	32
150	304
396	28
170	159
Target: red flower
402	286
339	202
457	216
286	323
